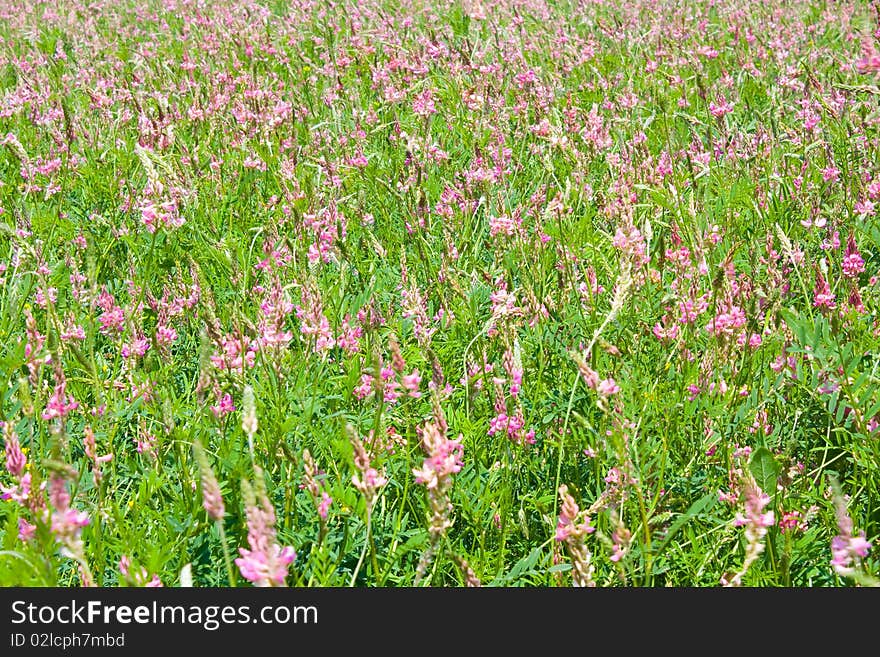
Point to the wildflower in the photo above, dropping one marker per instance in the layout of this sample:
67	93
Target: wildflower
165	335
847	549
571	528
792	520
607	387
91	451
274	308
411	383
589	375
212	499
313	322
146	444
831	174
66	523
320	498
368	480
59	404
855	300
324	505
823	297
870	61
237	353
755	520
137	576
349	336
665	334
630	241
264	563
853	264
26	531
224	405
721	108
15	458
423	104
621	537
470	577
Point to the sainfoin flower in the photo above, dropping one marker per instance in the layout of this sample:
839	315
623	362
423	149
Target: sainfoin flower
368	480
721	108
212	499
756	522
572	527
823	297
853	263
444	460
315	486
66	524
15	458
264	563
91	451
847	550
138	575
607	387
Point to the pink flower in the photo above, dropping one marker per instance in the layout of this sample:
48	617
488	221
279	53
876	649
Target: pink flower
368	480
20	493
444	460
727	321
590	376
721	108
15	458
349	336
870	61
853	264
224	405
423	104
264	563
365	389
59	404
324	505
26	530
831	174
607	387
792	520
112	320
630	241
822	296
314	486
137	576
665	334
411	383
237	353
165	335
755	521
864	207
66	523
846	549
572	528
313	322
212	499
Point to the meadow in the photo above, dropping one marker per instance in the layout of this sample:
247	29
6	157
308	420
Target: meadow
387	293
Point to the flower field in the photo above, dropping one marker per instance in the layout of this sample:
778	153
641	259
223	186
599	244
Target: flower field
461	293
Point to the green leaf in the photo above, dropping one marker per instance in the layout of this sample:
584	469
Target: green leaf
764	469
522	567
559	568
700	506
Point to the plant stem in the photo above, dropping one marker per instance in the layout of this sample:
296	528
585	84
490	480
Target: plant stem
229	571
